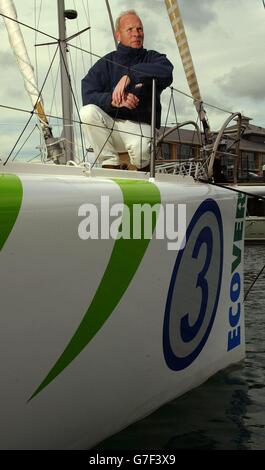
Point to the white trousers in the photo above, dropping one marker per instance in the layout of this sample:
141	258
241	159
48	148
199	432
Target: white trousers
108	137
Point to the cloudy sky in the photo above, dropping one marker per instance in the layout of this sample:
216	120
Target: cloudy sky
226	39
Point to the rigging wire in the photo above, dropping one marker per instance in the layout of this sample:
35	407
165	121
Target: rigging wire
54	86
204	102
255	280
193	136
35	49
87	14
74	81
29	27
151	76
176	117
60	118
111	130
167	116
37	23
36	29
229	188
32	112
74	99
249	195
111	23
73	74
19	137
20	148
96	55
79	38
34	158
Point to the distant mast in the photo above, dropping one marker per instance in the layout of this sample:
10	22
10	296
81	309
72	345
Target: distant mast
67	103
182	42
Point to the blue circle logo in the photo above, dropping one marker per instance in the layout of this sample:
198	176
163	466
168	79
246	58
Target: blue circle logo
194	288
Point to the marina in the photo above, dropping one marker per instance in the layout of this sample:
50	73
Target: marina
128	278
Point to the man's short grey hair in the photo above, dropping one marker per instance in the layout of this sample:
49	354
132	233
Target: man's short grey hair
124	13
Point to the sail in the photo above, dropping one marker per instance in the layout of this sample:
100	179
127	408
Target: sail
17	43
184	50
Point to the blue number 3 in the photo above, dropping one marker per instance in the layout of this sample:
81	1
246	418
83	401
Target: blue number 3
189	332
185	334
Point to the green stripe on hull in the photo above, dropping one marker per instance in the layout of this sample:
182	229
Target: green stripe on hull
11	193
123	264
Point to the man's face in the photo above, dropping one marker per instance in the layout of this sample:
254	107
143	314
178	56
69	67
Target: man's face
131	31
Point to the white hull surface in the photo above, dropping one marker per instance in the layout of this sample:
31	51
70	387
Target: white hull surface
96	334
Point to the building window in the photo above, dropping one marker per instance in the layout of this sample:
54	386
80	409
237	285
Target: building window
228	165
247	161
164	152
185	151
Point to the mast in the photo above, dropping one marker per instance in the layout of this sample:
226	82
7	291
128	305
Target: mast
184	50
67	105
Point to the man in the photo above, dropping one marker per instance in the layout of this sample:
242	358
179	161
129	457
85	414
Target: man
117	93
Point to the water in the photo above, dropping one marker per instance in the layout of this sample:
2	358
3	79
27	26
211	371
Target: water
228	411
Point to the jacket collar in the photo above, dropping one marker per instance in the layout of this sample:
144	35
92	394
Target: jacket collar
130	51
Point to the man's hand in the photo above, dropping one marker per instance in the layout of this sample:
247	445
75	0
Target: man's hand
119	90
129	101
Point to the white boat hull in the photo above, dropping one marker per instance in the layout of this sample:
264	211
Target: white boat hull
92	333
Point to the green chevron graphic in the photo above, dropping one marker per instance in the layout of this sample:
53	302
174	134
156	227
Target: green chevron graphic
123	264
11	193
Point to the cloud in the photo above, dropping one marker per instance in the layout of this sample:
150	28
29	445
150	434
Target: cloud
6	59
198	14
244	81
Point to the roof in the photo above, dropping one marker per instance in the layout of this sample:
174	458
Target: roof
249	145
250	129
190	136
184	136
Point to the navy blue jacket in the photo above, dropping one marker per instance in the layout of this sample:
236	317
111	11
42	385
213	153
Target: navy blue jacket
141	65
